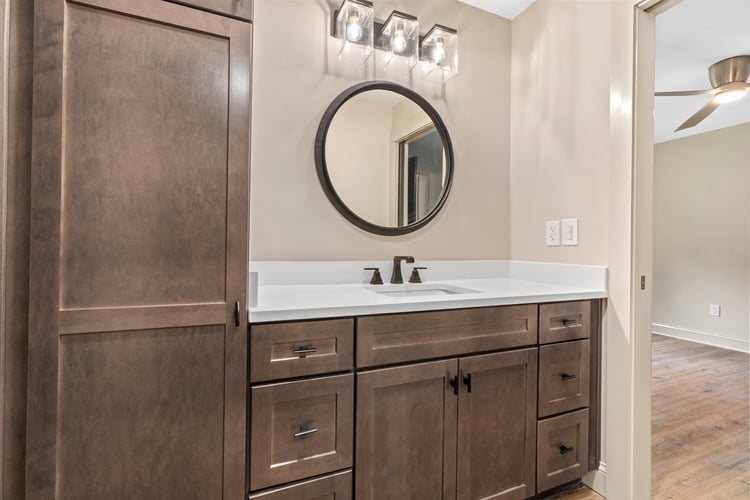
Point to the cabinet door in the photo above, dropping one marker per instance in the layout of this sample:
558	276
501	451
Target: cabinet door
497	425
137	358
406	433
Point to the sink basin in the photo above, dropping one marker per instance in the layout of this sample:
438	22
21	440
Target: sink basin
420	290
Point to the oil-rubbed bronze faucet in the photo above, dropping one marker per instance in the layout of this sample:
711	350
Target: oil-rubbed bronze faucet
396	277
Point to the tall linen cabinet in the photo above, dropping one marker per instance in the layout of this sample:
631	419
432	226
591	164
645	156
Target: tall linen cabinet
139	249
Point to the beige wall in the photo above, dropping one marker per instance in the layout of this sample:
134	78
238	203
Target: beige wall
560	129
295	77
572	148
702	236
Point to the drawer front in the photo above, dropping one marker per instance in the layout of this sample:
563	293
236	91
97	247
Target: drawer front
333	487
408	337
300	429
564	321
562	449
285	350
563	377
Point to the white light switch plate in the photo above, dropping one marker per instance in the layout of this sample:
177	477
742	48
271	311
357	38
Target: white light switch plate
714	310
552	233
569	232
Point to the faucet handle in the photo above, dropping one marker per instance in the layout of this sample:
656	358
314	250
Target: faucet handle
376	278
415	278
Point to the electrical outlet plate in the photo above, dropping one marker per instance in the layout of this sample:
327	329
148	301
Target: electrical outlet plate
714	310
552	233
569	232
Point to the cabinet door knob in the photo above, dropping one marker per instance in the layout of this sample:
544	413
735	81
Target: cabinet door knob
564	450
304	430
303	351
236	313
467	381
567	376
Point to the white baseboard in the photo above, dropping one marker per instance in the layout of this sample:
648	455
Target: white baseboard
712	339
597	479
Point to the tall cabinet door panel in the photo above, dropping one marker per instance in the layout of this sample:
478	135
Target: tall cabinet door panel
406	432
497	425
139	252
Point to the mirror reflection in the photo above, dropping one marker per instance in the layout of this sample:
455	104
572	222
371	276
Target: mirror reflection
385	159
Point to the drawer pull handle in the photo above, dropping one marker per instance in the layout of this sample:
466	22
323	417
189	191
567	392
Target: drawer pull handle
303	351
569	322
564	450
304	430
467	381
567	376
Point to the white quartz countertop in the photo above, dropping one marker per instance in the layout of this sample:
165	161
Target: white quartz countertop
528	284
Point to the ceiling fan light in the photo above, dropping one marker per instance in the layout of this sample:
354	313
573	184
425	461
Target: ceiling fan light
729	96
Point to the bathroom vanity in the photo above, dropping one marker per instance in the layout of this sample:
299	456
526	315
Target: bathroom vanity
432	400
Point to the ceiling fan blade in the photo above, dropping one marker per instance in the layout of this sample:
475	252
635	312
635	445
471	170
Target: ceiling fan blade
679	93
698	117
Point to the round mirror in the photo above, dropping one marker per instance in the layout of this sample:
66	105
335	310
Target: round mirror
384	158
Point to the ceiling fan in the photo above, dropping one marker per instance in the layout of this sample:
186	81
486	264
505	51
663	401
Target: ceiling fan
729	82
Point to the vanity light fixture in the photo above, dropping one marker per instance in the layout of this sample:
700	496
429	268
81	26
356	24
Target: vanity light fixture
354	25
399	37
359	34
439	54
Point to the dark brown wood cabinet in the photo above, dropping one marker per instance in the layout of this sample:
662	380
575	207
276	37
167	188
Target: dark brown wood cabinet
140	175
497	425
241	9
406	432
300	429
462	428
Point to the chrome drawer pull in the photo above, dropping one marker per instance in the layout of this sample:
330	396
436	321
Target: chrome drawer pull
303	351
566	376
564	450
304	430
569	322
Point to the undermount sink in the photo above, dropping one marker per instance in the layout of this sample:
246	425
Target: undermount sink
421	290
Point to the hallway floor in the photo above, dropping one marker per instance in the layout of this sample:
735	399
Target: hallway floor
700	443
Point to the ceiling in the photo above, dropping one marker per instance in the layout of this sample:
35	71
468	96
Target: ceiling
505	8
690	37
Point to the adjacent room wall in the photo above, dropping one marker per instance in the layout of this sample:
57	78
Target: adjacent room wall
297	74
702	237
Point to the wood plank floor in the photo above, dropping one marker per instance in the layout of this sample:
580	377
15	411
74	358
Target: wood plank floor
700	439
700	424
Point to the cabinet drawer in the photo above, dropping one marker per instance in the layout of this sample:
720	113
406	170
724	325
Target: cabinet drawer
300	429
334	487
563	377
395	338
562	449
284	350
564	321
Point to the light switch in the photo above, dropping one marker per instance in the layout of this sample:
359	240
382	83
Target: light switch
714	310
570	232
552	234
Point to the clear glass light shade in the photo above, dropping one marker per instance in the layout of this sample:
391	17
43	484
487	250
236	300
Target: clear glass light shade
439	54
400	39
355	24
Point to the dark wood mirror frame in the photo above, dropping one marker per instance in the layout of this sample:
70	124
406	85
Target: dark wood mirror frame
322	168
